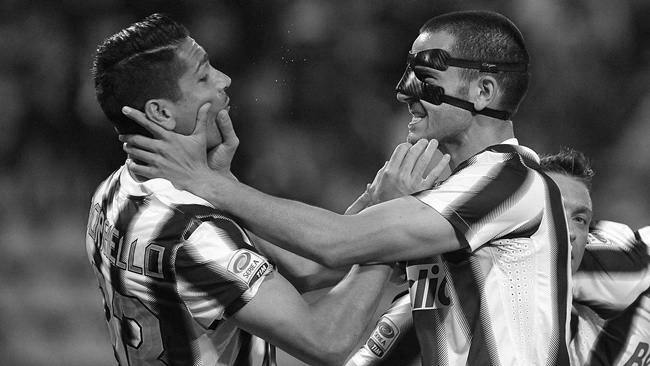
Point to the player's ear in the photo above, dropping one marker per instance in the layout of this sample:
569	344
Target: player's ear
486	91
160	111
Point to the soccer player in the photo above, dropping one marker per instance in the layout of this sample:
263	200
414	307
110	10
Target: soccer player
178	276
569	169
494	231
612	298
611	266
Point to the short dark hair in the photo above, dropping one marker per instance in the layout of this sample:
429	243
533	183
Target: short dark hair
487	36
137	64
569	162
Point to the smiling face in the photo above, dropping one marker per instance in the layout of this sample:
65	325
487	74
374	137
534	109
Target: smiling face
578	210
442	122
199	84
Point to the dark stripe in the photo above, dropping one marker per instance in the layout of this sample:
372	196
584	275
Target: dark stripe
220	285
614	337
616	259
573	325
122	224
244	350
220	219
426	325
175	324
637	236
482	349
491	197
235	306
561	251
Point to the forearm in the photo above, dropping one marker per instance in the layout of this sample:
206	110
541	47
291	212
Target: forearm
345	311
304	274
308	231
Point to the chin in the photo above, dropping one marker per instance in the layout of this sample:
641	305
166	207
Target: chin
412	138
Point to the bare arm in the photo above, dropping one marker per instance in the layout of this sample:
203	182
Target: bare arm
323	332
304	274
400	229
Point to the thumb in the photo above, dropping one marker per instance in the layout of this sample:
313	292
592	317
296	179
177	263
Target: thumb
202	120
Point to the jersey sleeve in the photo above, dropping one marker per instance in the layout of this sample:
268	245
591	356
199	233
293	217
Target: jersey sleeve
615	268
390	328
487	200
218	271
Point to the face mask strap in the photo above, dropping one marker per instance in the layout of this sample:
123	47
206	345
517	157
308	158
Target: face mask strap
440	59
463	104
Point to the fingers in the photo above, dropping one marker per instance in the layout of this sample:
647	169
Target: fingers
224	123
421	160
398	156
202	120
141	142
380	172
142	170
140	155
436	172
358	205
141	119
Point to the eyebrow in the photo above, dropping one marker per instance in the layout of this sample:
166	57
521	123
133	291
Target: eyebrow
584	209
203	61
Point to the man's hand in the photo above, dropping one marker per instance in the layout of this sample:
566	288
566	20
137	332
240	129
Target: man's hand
411	169
179	158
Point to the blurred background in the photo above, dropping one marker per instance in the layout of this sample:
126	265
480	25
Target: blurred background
313	103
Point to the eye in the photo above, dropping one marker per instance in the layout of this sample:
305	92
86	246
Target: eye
204	78
580	220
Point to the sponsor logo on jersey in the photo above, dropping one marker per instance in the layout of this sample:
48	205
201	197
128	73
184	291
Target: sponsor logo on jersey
428	285
383	337
248	266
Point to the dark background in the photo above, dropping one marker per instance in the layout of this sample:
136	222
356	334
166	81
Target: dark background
313	104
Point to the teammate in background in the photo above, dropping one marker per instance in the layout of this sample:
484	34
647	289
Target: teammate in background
495	231
612	298
178	276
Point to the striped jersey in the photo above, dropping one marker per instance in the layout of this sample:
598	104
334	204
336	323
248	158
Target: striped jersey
611	322
504	298
171	270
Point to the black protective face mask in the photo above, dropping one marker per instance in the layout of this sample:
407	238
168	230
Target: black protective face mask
412	82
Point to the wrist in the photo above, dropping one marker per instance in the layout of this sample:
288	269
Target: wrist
216	188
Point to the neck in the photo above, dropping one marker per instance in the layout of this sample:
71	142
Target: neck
482	133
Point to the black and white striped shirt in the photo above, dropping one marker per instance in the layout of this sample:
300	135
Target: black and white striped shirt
171	268
505	298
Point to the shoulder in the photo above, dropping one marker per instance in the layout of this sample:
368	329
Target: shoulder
610	233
